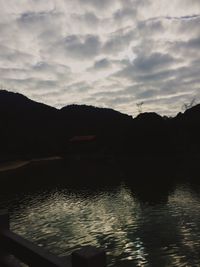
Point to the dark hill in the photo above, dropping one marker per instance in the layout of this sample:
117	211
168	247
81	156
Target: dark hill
31	129
88	119
27	127
15	102
149	117
108	125
149	134
93	113
193	113
149	120
186	128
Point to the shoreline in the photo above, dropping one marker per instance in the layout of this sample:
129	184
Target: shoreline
150	160
16	164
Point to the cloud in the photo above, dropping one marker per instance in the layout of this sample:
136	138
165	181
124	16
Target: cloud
89	19
147	94
152	62
125	13
95	3
155	66
14	57
192	44
77	47
79	87
105	53
118	41
101	64
150	27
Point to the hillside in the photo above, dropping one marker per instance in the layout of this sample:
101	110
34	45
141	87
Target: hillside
27	127
30	129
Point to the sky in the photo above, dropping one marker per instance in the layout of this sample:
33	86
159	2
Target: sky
108	53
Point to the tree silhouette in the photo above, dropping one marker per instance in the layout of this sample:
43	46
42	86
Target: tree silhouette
139	106
189	105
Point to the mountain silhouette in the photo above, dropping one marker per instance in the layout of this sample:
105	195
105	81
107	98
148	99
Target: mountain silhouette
26	126
30	129
15	102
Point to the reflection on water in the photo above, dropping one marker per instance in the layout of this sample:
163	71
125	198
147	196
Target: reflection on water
133	232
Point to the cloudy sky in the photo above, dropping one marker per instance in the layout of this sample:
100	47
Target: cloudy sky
107	53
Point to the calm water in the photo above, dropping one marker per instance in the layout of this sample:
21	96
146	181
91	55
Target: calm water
134	231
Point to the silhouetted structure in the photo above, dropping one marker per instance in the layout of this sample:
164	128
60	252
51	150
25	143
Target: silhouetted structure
13	247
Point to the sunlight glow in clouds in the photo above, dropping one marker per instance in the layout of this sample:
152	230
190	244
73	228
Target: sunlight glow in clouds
104	53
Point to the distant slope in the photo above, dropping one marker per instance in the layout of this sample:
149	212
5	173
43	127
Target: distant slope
91	112
14	102
30	129
92	120
26	128
186	130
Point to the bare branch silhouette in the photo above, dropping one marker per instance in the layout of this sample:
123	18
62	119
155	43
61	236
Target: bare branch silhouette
139	106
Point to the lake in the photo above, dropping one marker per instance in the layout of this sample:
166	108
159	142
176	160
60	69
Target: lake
137	226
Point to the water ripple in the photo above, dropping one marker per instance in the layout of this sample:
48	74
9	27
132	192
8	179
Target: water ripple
133	233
